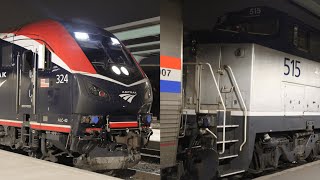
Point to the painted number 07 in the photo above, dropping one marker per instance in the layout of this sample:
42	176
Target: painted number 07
293	68
165	72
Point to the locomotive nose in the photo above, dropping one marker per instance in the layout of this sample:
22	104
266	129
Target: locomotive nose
103	97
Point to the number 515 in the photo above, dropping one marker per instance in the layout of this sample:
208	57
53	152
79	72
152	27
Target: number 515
294	68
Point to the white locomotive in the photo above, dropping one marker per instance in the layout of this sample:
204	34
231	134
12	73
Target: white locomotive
251	95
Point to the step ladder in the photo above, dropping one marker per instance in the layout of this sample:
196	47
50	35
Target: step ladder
228	142
26	131
229	134
232	144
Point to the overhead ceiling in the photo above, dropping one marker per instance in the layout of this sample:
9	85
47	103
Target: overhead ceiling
204	15
142	38
102	13
313	6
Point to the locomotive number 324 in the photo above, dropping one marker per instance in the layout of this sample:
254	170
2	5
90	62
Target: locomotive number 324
292	66
62	78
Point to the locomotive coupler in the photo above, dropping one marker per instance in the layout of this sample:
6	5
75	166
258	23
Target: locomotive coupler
102	159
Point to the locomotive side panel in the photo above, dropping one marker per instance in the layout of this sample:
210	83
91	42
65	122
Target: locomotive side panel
312	99
266	83
207	53
238	57
7	81
284	84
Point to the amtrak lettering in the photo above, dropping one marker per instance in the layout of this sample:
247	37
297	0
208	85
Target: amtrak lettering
3	74
2	82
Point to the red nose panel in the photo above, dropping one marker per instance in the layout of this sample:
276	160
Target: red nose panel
60	41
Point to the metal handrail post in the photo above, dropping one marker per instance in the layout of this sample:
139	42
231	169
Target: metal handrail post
244	106
224	110
222	102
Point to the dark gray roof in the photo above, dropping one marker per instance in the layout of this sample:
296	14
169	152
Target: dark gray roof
102	13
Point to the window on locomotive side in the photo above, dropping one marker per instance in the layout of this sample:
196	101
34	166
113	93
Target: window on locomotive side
263	27
47	60
315	43
301	39
6	55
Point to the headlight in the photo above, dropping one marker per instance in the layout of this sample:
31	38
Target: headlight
82	36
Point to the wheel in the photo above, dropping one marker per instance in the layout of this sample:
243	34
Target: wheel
311	157
34	154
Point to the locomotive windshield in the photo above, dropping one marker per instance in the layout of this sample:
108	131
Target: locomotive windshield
106	54
108	57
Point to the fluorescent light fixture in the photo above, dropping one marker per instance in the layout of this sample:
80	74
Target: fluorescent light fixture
115	41
81	36
124	71
116	70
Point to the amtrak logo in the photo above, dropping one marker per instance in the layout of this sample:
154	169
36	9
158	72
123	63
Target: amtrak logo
128	95
2	82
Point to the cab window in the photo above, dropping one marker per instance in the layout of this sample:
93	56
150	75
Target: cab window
47	60
6	55
301	39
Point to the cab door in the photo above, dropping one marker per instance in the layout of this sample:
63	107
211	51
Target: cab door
27	82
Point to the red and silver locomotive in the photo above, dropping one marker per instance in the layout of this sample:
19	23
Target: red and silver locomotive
73	90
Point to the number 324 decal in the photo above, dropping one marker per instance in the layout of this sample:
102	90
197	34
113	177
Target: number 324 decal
62	78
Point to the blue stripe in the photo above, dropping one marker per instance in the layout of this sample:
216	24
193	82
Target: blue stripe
170	86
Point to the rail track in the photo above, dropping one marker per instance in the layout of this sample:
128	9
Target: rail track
150	155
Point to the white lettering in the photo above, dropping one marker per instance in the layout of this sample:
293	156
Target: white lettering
3	74
61	78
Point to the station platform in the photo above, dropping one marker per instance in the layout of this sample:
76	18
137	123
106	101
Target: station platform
155	136
16	167
308	171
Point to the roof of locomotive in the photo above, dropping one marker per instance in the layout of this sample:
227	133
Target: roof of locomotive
59	37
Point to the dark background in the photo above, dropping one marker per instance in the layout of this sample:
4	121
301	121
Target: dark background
202	14
102	13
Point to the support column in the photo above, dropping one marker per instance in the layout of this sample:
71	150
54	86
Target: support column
170	78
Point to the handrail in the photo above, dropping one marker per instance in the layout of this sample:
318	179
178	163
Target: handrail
244	106
213	134
17	83
184	125
224	110
222	102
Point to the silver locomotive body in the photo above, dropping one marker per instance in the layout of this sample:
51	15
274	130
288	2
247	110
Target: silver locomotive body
264	107
272	83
